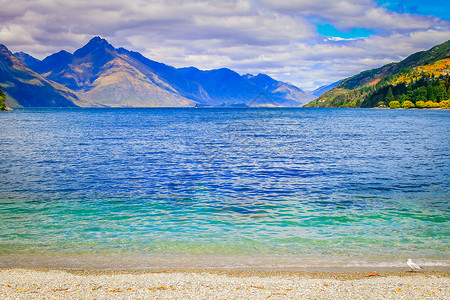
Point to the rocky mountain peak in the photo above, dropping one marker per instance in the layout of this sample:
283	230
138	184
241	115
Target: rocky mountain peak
94	45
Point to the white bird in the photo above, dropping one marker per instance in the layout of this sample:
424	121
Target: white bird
412	265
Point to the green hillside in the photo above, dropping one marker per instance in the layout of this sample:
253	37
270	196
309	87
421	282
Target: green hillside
423	76
2	100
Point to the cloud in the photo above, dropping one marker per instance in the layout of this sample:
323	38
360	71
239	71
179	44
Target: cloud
347	14
277	37
257	29
15	33
324	8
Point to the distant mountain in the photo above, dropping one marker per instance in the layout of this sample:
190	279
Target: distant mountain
284	93
371	88
222	86
25	88
27	59
225	87
325	88
100	73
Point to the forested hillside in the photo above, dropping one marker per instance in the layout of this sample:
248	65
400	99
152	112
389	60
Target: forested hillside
2	100
422	80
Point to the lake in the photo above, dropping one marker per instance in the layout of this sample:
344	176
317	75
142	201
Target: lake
224	188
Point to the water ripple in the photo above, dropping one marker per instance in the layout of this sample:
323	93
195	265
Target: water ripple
304	182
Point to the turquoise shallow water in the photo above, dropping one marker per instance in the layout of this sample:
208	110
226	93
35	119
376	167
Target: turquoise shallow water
244	186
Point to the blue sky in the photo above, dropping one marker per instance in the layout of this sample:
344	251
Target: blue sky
305	42
330	31
438	8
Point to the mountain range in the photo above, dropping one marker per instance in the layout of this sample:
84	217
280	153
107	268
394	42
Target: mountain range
24	87
422	76
100	75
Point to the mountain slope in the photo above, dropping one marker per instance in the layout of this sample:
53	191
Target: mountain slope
27	59
368	88
170	75
222	86
122	84
325	88
24	87
100	73
284	93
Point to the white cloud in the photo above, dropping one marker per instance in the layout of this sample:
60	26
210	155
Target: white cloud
14	33
249	36
347	14
325	8
257	29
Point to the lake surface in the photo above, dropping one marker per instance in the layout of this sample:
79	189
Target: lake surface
140	188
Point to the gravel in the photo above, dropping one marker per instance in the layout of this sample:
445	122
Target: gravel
198	284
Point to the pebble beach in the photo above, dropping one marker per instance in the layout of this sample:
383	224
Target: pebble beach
19	283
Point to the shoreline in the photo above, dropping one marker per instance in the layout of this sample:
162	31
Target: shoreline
30	283
416	108
139	262
343	273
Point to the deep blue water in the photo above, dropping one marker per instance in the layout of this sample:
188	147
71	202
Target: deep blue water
352	185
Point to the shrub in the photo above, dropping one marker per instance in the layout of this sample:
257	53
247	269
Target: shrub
431	104
408	104
420	104
444	104
394	104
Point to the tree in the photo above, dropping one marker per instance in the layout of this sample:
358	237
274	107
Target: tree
403	98
389	96
440	92
410	92
430	92
2	100
422	93
394	104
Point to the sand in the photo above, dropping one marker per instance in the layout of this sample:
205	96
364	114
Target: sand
202	284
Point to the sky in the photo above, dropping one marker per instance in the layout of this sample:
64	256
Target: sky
308	43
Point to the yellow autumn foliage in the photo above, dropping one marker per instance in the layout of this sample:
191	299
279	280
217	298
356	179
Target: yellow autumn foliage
420	104
408	104
441	67
431	104
394	104
445	103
